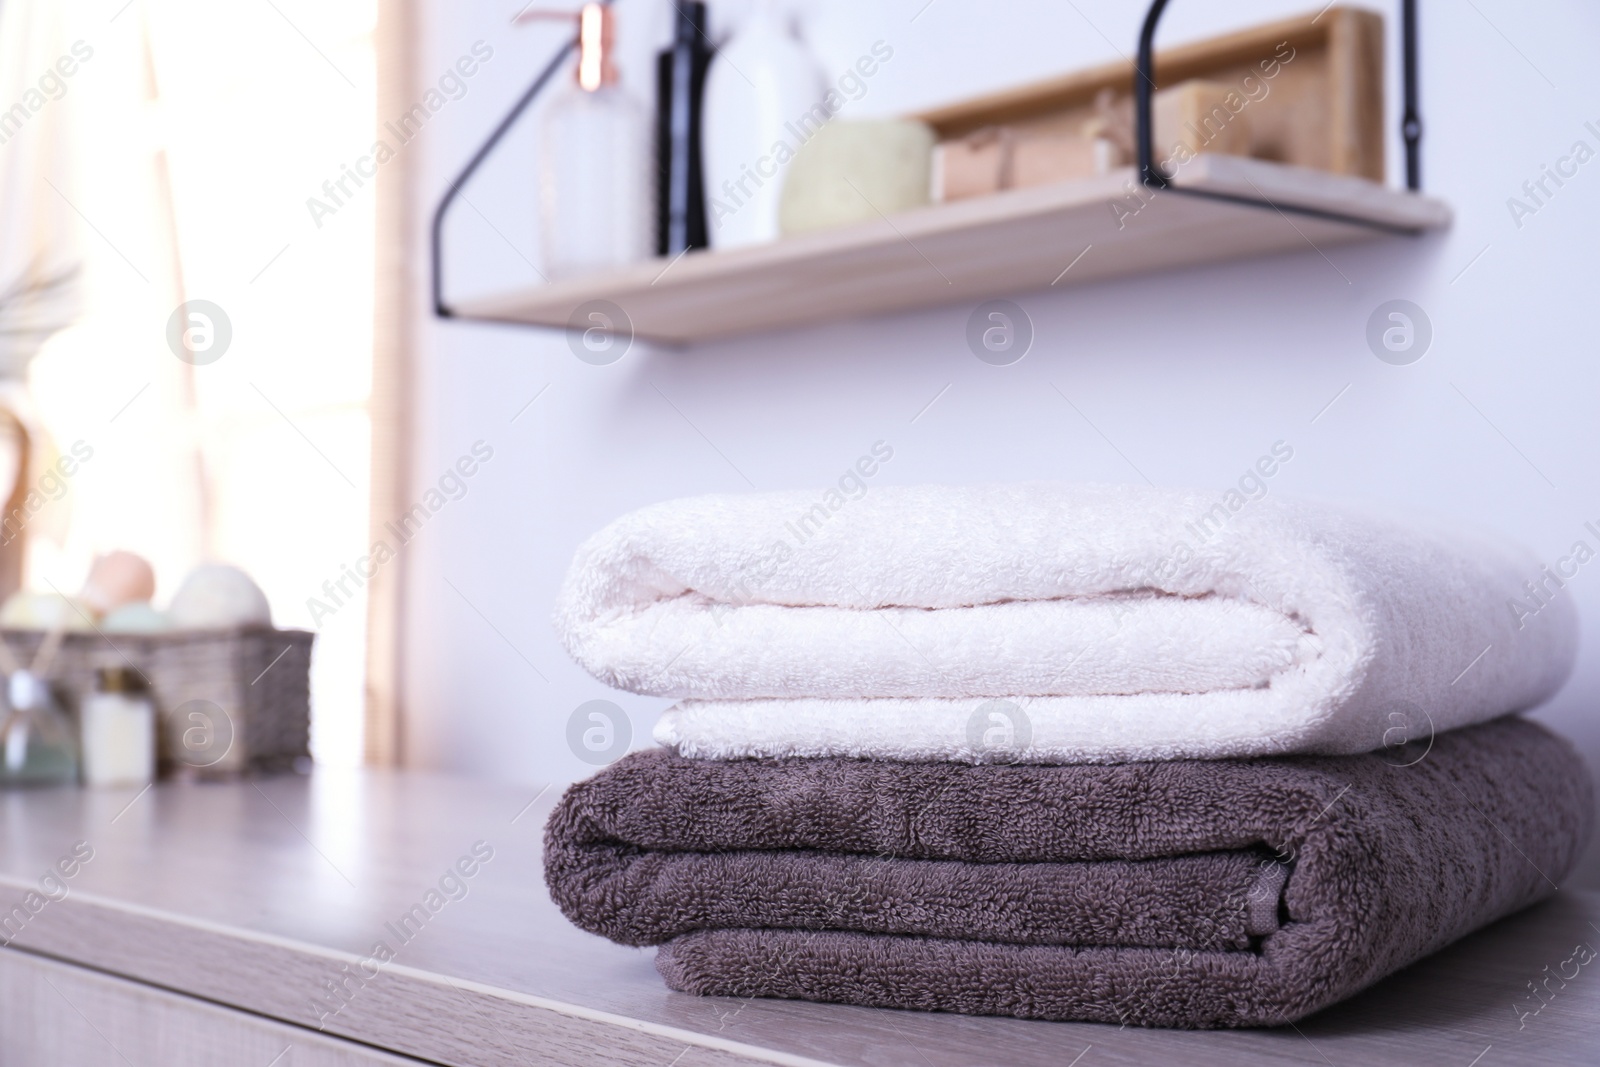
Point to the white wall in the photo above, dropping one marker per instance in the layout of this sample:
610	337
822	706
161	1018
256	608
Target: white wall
1191	374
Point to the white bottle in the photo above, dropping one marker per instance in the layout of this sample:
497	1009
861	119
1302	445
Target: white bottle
596	196
764	98
119	730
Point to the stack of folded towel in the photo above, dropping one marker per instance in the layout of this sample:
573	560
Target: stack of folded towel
1067	752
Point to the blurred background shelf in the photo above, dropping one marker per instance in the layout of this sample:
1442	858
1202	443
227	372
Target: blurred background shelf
1011	243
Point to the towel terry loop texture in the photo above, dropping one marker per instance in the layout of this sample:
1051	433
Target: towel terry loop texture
1187	893
1121	623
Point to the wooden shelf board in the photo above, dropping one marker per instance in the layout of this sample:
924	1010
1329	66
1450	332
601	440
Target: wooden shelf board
1010	243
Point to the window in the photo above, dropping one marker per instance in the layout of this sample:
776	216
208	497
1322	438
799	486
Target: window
196	134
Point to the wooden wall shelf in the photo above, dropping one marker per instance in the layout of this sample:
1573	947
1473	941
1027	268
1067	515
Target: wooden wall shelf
1013	242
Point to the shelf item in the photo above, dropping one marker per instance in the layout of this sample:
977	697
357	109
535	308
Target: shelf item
595	187
1199	116
1190	118
764	99
680	84
1013	242
996	158
854	171
1310	89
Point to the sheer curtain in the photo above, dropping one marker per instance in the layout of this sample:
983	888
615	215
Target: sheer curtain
199	132
38	262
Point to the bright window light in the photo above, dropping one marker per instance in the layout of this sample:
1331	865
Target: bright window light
199	132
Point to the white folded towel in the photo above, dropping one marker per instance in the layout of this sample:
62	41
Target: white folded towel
1119	623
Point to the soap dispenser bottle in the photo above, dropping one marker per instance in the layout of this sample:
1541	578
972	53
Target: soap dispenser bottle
595	192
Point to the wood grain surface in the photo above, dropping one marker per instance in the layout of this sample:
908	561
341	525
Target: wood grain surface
56	1015
254	895
1008	243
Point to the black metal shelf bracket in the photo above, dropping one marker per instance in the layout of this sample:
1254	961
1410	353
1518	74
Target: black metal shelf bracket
1144	89
1411	119
1148	173
436	233
1151	176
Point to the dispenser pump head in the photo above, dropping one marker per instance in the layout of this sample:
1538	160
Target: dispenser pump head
596	41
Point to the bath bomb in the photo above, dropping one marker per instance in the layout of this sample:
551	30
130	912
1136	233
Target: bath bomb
853	171
45	611
118	578
138	617
217	596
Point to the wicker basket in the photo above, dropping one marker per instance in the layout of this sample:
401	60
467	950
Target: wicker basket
228	702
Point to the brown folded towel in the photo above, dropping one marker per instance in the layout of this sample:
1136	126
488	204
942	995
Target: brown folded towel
1190	893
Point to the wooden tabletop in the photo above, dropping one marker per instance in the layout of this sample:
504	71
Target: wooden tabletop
261	895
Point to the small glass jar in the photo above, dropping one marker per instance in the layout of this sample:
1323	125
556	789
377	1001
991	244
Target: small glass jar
118	724
37	745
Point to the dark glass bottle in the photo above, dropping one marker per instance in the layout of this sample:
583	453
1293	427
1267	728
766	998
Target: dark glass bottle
680	79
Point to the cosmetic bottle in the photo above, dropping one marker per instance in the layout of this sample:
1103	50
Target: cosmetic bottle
595	189
764	99
680	83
